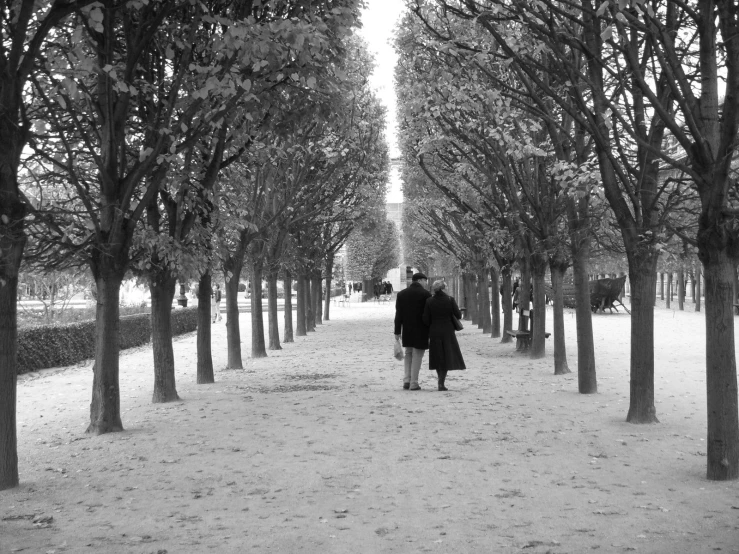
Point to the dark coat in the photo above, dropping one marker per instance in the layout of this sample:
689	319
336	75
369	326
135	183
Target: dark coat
409	305
444	352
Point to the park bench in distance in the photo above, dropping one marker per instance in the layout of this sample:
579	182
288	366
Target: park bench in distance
523	336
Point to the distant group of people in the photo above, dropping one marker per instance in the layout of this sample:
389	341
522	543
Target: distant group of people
423	321
383	288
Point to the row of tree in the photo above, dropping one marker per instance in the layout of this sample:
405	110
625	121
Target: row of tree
533	131
171	139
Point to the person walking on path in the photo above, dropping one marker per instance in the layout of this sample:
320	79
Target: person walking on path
444	352
216	308
409	306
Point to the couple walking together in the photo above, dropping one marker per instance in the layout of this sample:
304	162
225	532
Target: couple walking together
423	321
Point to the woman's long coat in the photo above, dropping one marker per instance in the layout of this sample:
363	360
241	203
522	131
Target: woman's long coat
444	352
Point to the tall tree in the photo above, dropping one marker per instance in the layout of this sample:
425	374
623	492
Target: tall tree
25	26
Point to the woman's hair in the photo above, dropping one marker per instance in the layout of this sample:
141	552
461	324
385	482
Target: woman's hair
438	286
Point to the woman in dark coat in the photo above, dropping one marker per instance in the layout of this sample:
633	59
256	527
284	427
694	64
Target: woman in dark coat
444	353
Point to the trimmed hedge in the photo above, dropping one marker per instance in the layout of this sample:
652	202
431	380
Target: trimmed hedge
184	321
46	346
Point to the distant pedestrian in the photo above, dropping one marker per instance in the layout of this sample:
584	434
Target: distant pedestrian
410	328
444	352
216	308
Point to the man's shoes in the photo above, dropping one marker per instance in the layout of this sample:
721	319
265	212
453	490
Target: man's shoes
406	386
416	388
442	387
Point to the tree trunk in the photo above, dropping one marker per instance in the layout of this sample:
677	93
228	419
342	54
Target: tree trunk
317	296
105	408
587	381
558	321
162	287
302	318
642	274
538	327
205	358
329	274
310	316
233	325
288	286
470	291
495	304
507	304
721	381
483	294
368	290
692	286
258	347
273	331
12	243
662	285
698	289
669	290
680	289
524	293
467	295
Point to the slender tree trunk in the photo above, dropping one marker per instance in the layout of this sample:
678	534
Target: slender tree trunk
310	316
233	325
669	290
524	293
205	358
12	243
301	317
586	375
258	347
471	294
495	305
558	321
681	289
538	327
329	274
478	297
288	286
272	324
721	381
484	295
507	304
317	296
467	295
105	408
368	290
662	285
698	289
162	286
642	273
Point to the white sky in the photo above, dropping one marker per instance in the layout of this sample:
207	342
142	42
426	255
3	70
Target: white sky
378	22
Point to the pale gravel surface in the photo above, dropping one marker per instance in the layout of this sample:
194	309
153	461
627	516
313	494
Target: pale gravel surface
317	449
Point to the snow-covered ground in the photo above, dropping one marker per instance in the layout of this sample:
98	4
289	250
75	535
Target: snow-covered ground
318	449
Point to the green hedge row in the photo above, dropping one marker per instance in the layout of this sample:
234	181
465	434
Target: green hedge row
45	346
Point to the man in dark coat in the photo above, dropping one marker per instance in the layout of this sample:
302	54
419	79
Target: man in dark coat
409	327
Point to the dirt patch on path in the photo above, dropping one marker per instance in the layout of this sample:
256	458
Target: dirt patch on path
318	449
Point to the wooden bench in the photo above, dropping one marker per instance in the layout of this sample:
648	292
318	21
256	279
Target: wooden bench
341	299
523	336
